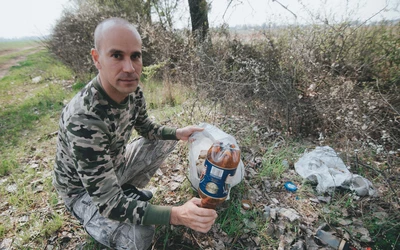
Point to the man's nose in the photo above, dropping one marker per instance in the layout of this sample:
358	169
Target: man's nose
128	66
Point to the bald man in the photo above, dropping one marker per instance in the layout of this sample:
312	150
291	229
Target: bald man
97	172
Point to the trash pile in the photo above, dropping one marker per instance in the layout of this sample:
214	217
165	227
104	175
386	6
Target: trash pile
324	167
295	220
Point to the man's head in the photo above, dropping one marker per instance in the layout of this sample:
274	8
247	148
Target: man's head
118	57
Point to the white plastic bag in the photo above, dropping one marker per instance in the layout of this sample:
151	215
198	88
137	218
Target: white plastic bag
325	167
203	141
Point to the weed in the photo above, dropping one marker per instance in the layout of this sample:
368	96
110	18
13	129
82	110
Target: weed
232	219
385	232
275	160
29	104
2	231
15	55
29	113
11	45
149	72
91	244
6	166
159	95
78	86
52	225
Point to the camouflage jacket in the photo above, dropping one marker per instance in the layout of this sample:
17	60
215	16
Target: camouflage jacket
93	133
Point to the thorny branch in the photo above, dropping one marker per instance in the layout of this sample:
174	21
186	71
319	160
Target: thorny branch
285	8
380	172
227	7
380	93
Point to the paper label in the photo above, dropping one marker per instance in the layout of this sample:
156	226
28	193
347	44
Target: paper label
212	183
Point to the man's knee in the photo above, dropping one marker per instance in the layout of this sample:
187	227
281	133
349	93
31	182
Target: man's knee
130	236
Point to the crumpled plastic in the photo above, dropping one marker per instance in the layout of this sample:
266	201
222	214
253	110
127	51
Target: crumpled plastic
325	167
203	140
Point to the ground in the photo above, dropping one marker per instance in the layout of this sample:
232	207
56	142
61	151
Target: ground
261	213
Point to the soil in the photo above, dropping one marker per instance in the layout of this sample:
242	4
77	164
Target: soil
5	67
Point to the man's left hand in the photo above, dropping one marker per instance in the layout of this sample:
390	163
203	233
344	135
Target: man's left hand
184	133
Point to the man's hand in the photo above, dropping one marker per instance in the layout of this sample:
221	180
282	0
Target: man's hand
193	216
184	133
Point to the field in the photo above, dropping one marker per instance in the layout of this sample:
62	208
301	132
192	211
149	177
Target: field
35	87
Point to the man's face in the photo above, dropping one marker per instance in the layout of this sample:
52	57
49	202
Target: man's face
119	61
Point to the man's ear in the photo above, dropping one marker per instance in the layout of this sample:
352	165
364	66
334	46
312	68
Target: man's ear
95	57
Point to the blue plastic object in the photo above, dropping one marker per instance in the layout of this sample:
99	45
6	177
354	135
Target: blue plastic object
290	186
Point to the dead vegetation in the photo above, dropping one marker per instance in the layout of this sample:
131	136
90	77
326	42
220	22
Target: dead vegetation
279	94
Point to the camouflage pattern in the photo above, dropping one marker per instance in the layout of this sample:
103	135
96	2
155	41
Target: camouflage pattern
91	153
111	233
143	156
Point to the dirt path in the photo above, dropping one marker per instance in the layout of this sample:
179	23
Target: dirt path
5	67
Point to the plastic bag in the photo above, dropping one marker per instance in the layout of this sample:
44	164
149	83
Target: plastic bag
325	167
200	142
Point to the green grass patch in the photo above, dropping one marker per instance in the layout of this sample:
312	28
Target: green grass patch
231	219
234	220
2	231
91	244
7	166
24	116
78	86
15	54
159	95
27	107
37	64
384	231
52	224
17	44
276	160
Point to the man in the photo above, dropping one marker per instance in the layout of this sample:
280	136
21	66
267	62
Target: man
97	172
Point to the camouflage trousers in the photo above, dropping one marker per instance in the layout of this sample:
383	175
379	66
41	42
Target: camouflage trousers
143	158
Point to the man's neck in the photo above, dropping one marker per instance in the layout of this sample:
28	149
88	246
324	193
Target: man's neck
111	91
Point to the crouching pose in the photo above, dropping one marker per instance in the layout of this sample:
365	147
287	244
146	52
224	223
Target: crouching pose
99	172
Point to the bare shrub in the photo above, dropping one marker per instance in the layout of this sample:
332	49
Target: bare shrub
350	73
300	81
246	78
320	80
72	36
72	40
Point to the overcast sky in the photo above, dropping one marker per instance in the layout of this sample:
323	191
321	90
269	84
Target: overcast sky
20	18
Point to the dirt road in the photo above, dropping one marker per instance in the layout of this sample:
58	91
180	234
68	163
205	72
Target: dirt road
5	66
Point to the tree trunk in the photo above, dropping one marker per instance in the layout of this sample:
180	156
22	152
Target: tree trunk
147	10
199	18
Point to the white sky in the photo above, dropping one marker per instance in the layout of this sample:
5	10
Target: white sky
20	18
267	11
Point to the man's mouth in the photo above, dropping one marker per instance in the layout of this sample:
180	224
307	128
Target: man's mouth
128	79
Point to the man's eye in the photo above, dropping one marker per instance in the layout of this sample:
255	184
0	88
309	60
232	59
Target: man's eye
135	56
116	56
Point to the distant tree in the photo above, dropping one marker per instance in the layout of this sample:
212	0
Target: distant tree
199	18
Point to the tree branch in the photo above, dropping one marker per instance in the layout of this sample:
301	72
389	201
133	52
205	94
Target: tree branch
227	7
381	173
286	8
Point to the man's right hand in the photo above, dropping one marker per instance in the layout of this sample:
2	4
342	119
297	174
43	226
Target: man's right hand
193	216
